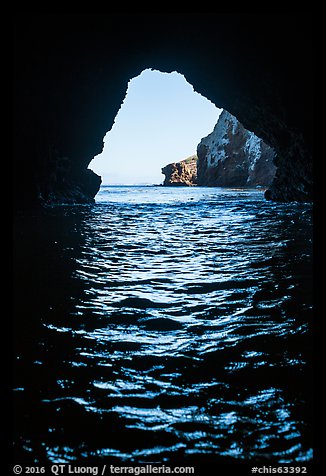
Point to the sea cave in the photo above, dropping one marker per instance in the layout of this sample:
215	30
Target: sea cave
161	326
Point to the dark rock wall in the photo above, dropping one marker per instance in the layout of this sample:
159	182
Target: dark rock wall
231	156
71	74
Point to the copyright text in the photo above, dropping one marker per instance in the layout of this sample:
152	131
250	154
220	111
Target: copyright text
61	469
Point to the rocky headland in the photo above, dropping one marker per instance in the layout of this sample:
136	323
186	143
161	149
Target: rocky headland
181	173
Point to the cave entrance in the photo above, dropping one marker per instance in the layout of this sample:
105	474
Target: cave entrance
161	120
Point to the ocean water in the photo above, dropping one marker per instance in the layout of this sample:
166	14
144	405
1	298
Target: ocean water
164	325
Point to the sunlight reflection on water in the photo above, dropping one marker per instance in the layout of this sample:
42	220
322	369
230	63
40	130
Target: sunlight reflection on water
167	324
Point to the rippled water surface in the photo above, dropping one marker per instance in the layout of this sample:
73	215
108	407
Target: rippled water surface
164	324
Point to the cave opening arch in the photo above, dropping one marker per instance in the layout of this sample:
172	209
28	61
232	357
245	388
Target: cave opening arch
69	86
161	120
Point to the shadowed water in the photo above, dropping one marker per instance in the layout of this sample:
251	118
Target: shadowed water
162	325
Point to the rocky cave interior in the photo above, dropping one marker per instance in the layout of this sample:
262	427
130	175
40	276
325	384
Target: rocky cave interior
71	74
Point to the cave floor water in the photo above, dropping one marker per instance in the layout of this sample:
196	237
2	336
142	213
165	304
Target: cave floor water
164	324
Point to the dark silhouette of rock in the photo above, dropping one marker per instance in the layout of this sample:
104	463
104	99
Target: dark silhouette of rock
71	73
63	185
181	173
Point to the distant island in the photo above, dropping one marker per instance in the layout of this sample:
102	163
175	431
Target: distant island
231	156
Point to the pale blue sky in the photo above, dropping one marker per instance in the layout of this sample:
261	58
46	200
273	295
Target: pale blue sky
160	121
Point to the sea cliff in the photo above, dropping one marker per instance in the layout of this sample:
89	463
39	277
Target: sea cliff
181	173
230	156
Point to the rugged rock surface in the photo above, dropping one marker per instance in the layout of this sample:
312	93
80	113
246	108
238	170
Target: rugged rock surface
181	173
231	156
71	74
